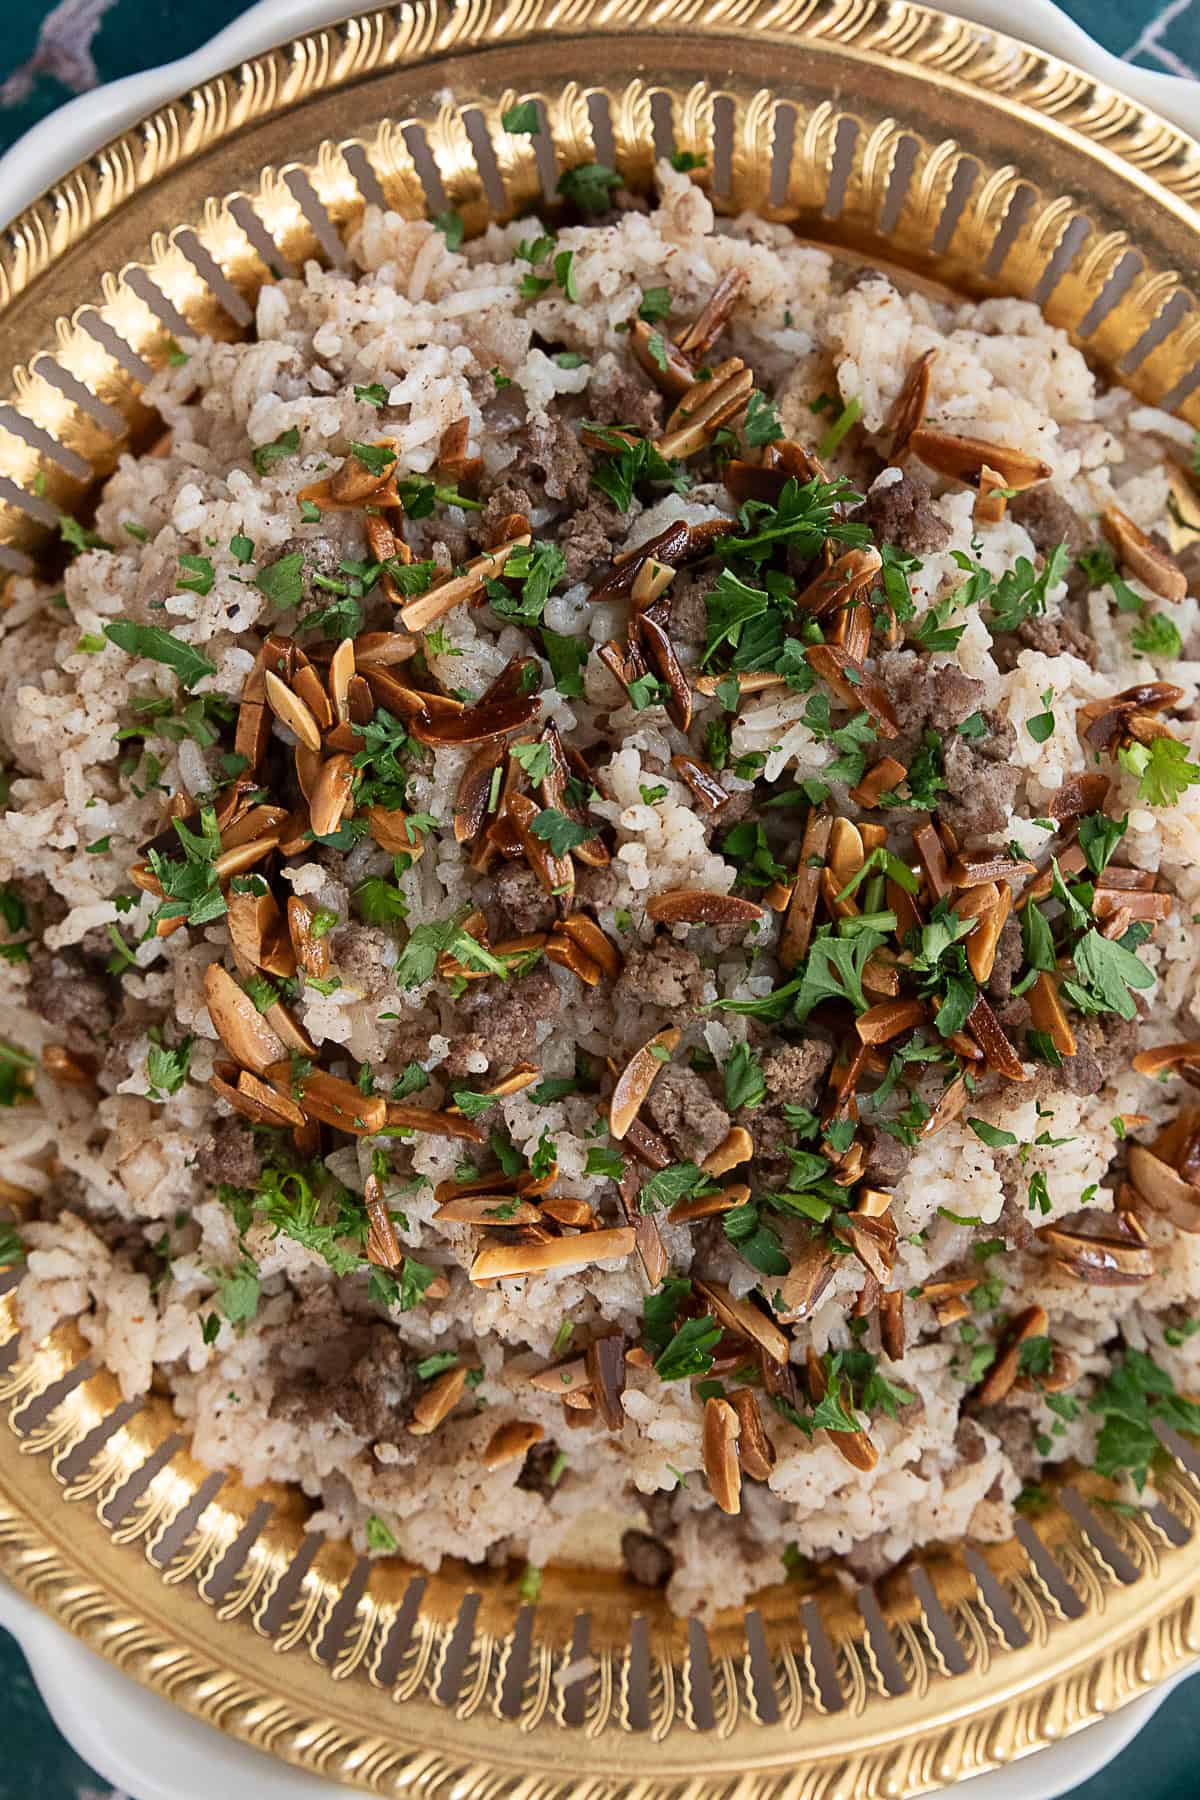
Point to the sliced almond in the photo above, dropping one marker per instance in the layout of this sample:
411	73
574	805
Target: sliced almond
511	1442
556	873
1049	1015
569	954
422	612
476	724
736	1147
291	711
312	952
253	732
508	1262
1166	1057
891	1323
354	482
964	459
853	686
991	503
660	654
563	1378
488	1210
638	1077
605	1362
1099	1261
398	1113
340	1104
702	781
849	575
698	906
698	338
331	794
242	1029
393	831
806	1281
1163	1189
594	943
704	408
909	407
438	1401
744	1319
254	1100
383	1249
1142	556
750	681
855	1447
663	361
890	1019
882	778
1004	1371
756	1452
720	1454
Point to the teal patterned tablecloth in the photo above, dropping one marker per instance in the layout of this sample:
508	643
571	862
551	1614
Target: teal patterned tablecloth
47	54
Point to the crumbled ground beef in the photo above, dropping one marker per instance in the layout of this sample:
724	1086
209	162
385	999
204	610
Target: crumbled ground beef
619	394
535	1470
357	1376
663	974
504	1019
1015	1431
45	904
72	999
594	887
689	614
902	513
588	538
886	1158
923	696
648	1562
1008	959
1103	1047
970	1442
680	1104
979	791
230	1154
550	465
321	557
794	1074
1049	520
1057	637
1015	1222
523	900
363	957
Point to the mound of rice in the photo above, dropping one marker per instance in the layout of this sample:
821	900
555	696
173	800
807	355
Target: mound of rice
232	1262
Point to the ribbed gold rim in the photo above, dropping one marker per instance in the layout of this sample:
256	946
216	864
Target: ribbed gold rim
973	162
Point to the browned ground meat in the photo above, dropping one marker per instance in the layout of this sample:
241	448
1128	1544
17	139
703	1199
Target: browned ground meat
1049	520
230	1155
321	557
73	1000
505	498
363	957
588	537
970	1442
45	904
886	1158
979	791
535	1470
794	1074
664	974
689	614
1015	1431
680	1104
594	888
622	395
903	514
648	1562
923	696
523	899
1057	637
1015	1222
1189	561
1008	959
343	1371
504	1017
1103	1047
550	465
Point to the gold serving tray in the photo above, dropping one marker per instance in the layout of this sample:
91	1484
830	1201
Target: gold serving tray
892	133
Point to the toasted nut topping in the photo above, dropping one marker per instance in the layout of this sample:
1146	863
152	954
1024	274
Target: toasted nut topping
339	1103
838	586
985	1028
424	1118
702	781
744	1319
1142	556
737	1147
752	681
637	1078
1167	1056
440	1398
510	1441
660	654
882	778
312	953
1049	1014
1003	1372
964	459
562	1378
594	943
566	1211
238	1023
855	1447
392	831
698	338
554	872
891	1323
756	1452
291	710
605	1361
1078	794
720	1454
880	1024
331	794
853	687
1163	1189
496	1210
569	954
253	920
665	363
683	906
474	725
422	612
382	1247
254	1099
1099	1261
705	407
908	410
805	1282
507	1262
992	501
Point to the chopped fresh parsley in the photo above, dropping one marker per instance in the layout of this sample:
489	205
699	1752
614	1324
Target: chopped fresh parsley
157	645
265	456
589	186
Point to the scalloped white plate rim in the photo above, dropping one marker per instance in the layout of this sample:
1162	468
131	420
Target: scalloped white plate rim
147	1747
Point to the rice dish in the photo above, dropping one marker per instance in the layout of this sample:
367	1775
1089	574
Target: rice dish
601	893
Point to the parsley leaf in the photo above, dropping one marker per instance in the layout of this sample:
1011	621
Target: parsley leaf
522	119
690	1351
589	186
265	456
157	645
1162	768
166	1069
744	1082
556	829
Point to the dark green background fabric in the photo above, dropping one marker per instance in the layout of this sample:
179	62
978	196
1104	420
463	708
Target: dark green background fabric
48	57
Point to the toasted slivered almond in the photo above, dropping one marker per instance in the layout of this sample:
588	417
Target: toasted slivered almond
289	1030
751	681
253	1098
1168	1056
778	896
339	1103
949	1312
1049	1014
972	871
853	686
882	778
855	1447
891	1323
331	794
720	1454
424	1118
440	1398
708	1206
663	361
736	1147
1078	794
683	906
908	409
1099	1261
849	575
756	1452
802	908
1000	1377
704	408
880	1024
1163	1189
521	1076
594	943
420	613
354	482
1142	556
565	1210
556	873
988	1033
240	1026
847	852
569	954
475	790
309	688
392	830
341	673
991	503
475	724
382	1247
605	1362
383	649
638	1077
698	338
506	1262
702	781
872	1203
810	1274
660	655
652	579
511	1441
873	1240
648	1146
252	920
563	1378
291	711
492	1210
744	1319
242	857
253	732
963	459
